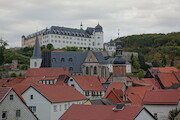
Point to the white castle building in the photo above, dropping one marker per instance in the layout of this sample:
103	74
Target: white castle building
61	37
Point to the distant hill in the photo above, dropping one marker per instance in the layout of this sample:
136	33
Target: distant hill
154	47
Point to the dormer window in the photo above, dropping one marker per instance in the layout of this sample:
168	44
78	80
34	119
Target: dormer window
62	60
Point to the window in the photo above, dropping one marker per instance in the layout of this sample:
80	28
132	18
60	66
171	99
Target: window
35	64
70	69
11	97
65	106
31	97
55	108
18	113
33	108
62	60
4	115
72	85
71	80
59	107
87	70
95	70
54	60
70	59
87	93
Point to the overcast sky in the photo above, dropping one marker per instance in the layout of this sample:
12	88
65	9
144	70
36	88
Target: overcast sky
23	17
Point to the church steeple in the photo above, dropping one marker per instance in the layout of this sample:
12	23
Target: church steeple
37	49
118	48
36	59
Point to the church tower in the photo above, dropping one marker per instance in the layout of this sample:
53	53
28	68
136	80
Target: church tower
119	65
36	59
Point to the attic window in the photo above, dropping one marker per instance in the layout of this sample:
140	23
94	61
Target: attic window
11	97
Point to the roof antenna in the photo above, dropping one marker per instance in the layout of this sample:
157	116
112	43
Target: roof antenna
81	26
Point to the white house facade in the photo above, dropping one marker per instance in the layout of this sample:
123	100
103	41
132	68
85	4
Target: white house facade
13	108
44	108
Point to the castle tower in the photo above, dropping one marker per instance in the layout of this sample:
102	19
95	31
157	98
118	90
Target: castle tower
119	65
98	34
36	59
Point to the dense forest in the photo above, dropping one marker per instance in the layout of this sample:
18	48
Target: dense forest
158	49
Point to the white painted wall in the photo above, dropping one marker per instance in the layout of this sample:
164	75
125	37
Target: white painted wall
55	115
161	110
144	115
16	104
60	41
43	106
38	63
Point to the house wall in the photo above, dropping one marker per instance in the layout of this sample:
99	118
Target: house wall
71	82
61	108
144	115
161	110
43	106
16	104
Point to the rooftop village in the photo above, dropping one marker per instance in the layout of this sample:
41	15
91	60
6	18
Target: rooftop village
74	85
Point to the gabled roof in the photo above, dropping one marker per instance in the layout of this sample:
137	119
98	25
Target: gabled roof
101	112
3	92
167	79
48	72
56	94
88	83
114	85
166	97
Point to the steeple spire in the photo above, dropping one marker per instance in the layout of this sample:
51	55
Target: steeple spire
81	26
37	49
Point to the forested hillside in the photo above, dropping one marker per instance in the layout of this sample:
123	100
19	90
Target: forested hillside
160	49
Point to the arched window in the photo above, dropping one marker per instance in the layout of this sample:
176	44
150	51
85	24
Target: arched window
87	70
95	70
62	60
35	64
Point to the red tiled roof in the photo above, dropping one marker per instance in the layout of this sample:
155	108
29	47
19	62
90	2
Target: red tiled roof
11	81
177	74
134	98
162	97
59	93
138	90
3	92
90	83
48	72
116	85
100	112
167	79
152	82
165	69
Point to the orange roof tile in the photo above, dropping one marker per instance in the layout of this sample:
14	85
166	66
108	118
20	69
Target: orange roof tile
167	79
114	85
3	92
134	98
90	83
162	97
56	94
138	90
165	69
100	112
48	72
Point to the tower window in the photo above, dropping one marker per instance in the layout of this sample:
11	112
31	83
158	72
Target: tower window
54	60
35	64
87	70
70	69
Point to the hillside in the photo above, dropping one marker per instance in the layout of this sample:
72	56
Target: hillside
155	48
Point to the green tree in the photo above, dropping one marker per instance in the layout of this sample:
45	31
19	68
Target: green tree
164	61
50	46
71	49
3	45
141	61
13	75
135	62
